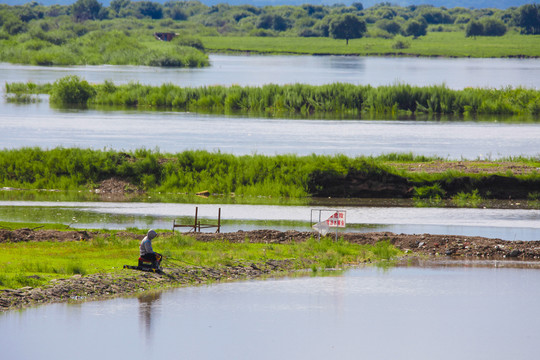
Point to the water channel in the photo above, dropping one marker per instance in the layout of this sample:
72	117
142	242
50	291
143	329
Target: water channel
506	224
39	125
255	70
431	312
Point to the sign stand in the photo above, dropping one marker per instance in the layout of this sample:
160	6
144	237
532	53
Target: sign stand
336	220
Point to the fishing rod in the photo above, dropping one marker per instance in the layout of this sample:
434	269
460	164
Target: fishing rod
176	259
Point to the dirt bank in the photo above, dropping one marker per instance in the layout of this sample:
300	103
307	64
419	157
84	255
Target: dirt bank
422	244
100	286
356	184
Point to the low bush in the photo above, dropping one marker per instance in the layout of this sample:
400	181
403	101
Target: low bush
71	90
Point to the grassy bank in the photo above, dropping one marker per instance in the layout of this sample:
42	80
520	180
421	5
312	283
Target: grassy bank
292	176
97	45
449	44
36	263
279	100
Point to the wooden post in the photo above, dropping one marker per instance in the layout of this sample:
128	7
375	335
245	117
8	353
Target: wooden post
196	212
218	220
173	225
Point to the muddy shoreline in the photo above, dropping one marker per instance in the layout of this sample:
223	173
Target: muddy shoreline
425	247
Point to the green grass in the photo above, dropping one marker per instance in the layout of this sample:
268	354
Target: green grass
332	100
290	176
7	225
35	263
472	199
450	44
44	261
114	47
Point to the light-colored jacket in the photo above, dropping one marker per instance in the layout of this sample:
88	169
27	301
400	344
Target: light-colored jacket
146	243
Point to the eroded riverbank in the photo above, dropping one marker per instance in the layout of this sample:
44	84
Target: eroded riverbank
129	282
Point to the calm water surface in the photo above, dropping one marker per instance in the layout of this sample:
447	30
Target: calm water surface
507	224
39	125
412	313
316	70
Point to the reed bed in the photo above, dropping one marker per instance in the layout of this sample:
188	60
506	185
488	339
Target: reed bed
307	100
288	175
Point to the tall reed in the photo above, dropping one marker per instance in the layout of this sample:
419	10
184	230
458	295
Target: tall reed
307	100
193	171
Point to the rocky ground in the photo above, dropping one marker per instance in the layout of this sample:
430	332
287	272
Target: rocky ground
99	286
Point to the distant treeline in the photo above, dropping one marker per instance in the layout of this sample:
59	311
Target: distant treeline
87	32
299	20
251	175
306	100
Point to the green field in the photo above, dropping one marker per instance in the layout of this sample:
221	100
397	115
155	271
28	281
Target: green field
123	32
289	176
450	44
36	263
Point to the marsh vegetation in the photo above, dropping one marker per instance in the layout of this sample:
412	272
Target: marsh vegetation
87	32
289	176
336	99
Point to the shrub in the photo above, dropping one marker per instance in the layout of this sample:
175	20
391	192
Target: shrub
71	90
493	27
428	192
467	199
400	44
416	27
390	26
474	28
189	41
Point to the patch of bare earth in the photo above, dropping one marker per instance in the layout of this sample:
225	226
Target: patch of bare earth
117	189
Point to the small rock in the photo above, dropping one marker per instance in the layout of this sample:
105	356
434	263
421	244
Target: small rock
514	253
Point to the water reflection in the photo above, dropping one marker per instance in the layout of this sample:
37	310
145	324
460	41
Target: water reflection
38	125
352	64
147	306
409	311
316	70
506	224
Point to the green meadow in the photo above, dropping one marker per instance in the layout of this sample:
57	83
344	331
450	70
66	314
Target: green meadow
36	263
448	44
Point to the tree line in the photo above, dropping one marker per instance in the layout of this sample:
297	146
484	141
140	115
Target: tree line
338	21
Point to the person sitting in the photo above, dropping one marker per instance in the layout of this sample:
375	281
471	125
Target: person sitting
146	251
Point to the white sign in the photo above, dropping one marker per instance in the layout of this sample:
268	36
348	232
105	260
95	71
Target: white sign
337	220
322	228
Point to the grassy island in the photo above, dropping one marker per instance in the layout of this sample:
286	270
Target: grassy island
338	100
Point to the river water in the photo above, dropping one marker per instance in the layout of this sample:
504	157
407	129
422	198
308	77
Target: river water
40	125
255	70
506	224
436	312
